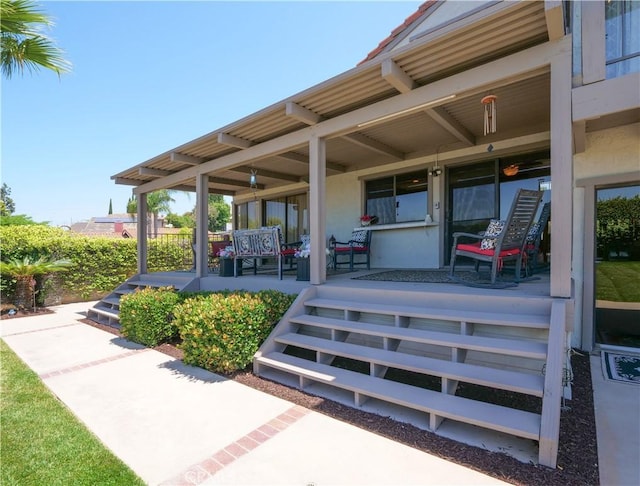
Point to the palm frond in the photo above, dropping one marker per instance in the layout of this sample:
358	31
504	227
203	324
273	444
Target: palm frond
23	43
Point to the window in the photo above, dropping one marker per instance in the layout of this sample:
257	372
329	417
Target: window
622	25
290	213
247	215
398	199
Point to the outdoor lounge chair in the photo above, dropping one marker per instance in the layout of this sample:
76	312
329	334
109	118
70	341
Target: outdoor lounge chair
503	241
359	244
534	238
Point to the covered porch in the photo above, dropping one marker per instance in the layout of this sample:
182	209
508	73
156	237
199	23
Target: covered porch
402	137
416	111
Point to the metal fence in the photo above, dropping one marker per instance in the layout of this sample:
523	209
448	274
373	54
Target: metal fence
167	245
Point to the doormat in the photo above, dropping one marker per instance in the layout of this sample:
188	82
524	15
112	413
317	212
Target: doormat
465	277
619	367
424	276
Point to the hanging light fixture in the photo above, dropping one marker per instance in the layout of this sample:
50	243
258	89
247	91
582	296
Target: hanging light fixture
253	179
436	168
510	170
489	103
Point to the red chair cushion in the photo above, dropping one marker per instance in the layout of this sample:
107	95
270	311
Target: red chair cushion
288	251
347	249
475	248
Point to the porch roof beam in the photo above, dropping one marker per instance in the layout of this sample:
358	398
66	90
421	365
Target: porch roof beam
302	114
396	77
186	159
301	159
231	182
153	172
232	141
126	182
450	124
374	145
500	70
271	174
212	190
311	118
554	15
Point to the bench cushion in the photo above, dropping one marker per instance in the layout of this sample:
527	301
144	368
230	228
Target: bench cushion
476	248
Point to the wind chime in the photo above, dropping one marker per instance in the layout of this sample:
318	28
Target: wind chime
489	103
253	182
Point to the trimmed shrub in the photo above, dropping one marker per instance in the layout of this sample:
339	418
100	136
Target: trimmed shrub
221	332
146	316
99	264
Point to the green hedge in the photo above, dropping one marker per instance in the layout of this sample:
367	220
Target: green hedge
146	316
100	264
221	332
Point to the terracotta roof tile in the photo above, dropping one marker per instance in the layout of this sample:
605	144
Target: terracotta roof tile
398	30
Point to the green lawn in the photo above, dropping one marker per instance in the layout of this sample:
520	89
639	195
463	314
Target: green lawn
618	281
41	440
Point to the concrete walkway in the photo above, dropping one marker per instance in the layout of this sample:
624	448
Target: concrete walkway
176	424
617	410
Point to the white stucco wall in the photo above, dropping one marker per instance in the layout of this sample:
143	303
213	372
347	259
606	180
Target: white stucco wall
399	247
608	152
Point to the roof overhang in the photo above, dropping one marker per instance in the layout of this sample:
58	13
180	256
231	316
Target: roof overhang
412	101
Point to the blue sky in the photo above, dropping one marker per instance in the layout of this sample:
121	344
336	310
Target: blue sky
149	76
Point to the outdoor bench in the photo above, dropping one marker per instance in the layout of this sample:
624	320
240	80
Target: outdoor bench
257	243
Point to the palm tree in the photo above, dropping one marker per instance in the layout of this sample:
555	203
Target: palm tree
157	202
24	272
23	43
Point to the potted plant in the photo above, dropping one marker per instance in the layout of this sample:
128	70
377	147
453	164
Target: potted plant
367	219
302	262
227	257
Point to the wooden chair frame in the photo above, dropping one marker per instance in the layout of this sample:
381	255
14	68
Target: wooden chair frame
509	244
357	245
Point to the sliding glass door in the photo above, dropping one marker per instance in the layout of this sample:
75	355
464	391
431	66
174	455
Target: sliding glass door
482	191
617	266
290	213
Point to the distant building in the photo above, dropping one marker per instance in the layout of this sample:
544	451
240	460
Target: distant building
117	226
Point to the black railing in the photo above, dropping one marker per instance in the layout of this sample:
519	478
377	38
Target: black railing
176	251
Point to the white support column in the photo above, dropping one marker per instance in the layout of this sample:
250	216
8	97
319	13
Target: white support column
317	209
593	42
202	224
561	176
142	232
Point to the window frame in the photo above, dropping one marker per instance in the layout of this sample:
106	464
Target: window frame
396	191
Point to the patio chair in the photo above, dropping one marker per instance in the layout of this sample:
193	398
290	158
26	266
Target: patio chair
359	244
502	241
534	238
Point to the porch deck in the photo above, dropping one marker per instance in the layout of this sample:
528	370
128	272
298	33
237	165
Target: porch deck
534	288
540	287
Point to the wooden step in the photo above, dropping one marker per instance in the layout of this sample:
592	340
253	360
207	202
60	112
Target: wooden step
498	318
495	417
125	290
106	312
111	301
149	283
510	347
480	375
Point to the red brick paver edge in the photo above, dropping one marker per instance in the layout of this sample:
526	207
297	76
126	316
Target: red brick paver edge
31	331
198	473
71	369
